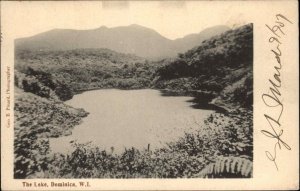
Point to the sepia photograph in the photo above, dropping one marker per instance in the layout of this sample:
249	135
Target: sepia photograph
127	102
158	94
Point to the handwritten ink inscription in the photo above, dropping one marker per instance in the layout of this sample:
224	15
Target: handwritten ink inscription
273	99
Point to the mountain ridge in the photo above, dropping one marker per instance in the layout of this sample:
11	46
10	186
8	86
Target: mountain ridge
132	39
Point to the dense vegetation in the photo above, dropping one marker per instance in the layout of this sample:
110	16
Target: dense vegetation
37	119
221	66
186	157
219	69
89	68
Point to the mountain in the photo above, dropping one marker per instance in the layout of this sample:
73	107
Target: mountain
192	40
132	39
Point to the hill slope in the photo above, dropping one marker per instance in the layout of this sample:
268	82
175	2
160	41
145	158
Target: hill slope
192	40
222	66
82	69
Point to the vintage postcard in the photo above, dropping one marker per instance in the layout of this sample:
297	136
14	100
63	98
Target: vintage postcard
149	95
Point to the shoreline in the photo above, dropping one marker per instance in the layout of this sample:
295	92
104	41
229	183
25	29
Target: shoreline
67	131
197	95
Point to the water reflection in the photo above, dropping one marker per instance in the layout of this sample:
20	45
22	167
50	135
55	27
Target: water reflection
199	100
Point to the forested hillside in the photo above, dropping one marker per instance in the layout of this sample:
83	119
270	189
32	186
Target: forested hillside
86	69
221	66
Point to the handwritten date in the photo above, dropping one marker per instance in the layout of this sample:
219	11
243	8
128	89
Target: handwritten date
273	99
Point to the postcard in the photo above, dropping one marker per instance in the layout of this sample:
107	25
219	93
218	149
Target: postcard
149	95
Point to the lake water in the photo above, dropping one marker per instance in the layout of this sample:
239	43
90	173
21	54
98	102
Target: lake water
130	118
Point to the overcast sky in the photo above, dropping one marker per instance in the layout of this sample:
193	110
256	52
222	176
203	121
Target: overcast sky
170	19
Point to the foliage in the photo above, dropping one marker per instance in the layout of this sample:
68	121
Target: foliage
222	138
228	167
37	119
214	66
42	84
86	69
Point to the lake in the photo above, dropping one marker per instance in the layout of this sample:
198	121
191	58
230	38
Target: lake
130	118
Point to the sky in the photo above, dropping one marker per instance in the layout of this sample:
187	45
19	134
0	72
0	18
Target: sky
172	19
